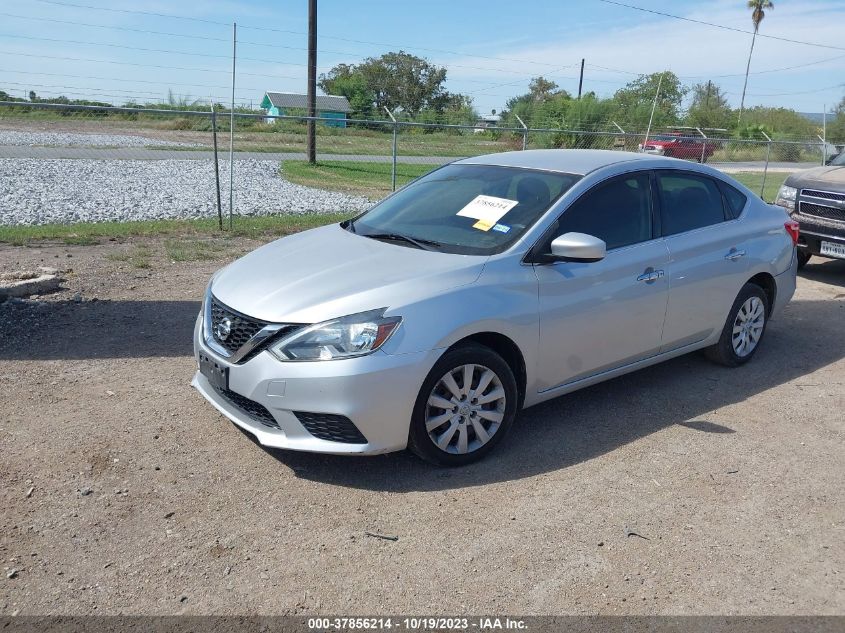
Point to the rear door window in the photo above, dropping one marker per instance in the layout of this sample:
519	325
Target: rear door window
688	202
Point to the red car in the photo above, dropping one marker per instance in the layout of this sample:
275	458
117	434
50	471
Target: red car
678	145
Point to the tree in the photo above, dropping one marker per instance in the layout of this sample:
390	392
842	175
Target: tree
32	96
783	121
758	12
836	127
709	107
540	89
393	80
636	98
343	80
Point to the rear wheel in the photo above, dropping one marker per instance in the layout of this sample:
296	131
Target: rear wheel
743	329
465	407
803	258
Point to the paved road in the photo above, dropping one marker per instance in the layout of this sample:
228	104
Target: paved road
134	153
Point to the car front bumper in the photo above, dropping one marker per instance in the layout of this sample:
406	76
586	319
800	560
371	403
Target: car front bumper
376	393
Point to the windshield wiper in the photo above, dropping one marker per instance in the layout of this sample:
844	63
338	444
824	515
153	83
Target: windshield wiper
421	243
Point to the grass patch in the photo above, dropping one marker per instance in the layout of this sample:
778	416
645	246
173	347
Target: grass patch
139	257
92	232
363	178
754	180
192	250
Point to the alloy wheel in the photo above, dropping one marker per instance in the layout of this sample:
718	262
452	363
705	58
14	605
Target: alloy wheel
465	409
748	326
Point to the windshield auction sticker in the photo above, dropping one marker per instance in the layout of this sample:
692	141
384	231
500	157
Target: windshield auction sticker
488	210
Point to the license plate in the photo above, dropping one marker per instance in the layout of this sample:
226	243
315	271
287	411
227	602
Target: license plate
216	374
832	249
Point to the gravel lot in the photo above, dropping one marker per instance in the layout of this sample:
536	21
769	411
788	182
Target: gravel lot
124	492
42	191
71	139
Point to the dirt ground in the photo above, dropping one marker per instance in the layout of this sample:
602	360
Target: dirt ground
685	488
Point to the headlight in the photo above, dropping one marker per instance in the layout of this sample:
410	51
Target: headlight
786	197
346	337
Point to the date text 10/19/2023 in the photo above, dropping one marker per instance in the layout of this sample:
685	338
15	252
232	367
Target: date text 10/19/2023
416	624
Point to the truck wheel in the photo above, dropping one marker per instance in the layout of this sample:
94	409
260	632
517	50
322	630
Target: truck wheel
803	258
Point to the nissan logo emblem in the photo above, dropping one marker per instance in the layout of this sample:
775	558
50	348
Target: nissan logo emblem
224	329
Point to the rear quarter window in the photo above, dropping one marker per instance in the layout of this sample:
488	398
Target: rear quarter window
735	199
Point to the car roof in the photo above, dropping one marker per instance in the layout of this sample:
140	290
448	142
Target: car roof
570	161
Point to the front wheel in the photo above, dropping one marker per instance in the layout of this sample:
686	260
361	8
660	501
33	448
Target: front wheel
465	407
743	329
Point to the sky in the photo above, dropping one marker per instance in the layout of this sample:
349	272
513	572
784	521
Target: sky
106	49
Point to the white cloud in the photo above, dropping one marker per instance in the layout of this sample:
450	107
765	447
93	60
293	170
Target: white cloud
687	49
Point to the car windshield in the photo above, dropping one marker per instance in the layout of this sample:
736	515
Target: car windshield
466	209
839	161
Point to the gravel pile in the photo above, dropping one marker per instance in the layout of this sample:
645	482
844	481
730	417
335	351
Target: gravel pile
71	139
39	191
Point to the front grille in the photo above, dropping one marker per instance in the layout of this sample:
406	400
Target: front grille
254	410
821	211
242	327
334	428
827	195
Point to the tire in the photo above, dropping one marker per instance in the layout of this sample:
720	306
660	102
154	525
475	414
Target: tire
803	258
750	311
471	433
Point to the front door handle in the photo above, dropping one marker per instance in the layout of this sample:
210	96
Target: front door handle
734	255
650	275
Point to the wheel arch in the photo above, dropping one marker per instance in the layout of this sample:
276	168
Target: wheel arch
767	282
508	350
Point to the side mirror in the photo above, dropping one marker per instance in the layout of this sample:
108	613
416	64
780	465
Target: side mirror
578	247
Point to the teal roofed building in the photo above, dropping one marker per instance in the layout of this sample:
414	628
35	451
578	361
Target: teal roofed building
333	108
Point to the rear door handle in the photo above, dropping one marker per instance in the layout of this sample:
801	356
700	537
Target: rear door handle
734	254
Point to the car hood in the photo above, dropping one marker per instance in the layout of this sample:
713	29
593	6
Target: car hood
828	176
329	272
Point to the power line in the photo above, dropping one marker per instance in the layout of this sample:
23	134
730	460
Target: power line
721	26
254	59
756	72
109	61
131	94
135	11
135	48
274	30
134	81
784	94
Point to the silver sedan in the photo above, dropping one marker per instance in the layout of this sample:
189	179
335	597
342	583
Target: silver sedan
487	286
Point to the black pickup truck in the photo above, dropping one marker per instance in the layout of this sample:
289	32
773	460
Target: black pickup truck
816	199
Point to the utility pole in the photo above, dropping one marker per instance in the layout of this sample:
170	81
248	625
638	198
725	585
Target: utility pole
581	80
311	94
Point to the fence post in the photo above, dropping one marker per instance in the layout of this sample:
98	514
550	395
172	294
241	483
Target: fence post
524	132
216	165
393	169
232	130
766	166
703	145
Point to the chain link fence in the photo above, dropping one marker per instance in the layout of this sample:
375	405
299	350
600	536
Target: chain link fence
66	163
